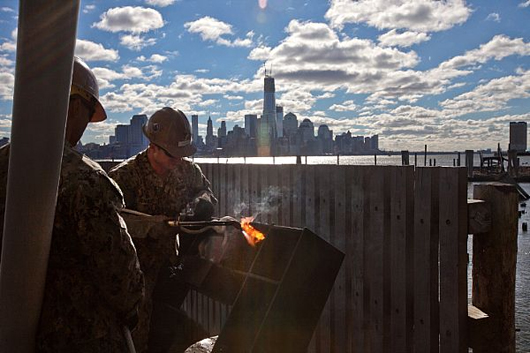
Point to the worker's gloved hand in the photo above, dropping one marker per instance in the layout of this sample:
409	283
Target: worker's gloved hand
148	226
202	207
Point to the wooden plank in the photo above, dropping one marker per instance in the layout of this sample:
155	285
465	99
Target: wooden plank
323	201
287	192
453	260
274	193
230	182
479	214
481	329
298	199
401	208
254	197
216	186
338	234
309	221
495	264
224	189
374	237
355	257
425	244
237	195
245	191
265	212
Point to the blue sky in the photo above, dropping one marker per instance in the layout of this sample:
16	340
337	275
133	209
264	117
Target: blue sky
451	74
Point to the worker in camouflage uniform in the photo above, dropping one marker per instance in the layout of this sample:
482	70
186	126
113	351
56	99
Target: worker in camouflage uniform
94	283
161	182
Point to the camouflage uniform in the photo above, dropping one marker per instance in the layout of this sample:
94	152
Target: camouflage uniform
93	282
147	192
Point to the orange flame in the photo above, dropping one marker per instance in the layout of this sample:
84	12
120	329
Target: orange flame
252	235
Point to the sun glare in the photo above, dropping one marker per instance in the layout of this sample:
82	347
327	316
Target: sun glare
262	4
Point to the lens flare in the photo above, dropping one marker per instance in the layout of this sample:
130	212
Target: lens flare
262	4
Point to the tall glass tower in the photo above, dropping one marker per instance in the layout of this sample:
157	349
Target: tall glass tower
267	132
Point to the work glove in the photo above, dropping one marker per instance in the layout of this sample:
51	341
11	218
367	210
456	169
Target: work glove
201	208
155	227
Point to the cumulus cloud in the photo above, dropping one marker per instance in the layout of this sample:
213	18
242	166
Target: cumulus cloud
414	15
348	105
185	92
89	8
6	61
155	58
313	57
10	45
136	42
492	96
7	83
130	19
106	76
497	48
160	3
91	51
211	29
393	38
525	4
495	17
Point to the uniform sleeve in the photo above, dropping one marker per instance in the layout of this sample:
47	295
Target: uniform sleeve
123	178
107	244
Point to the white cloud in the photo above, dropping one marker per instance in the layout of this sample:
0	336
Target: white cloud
497	48
136	42
7	83
106	76
91	51
130	19
491	96
495	17
89	8
414	15
184	92
211	29
525	4
6	9
155	58
346	106
5	61
260	53
160	3
406	39
10	45
313	57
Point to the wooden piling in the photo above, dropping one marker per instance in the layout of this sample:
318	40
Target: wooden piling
469	163
494	266
404	157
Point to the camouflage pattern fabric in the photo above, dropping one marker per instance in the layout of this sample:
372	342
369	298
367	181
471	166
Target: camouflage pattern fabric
147	192
94	281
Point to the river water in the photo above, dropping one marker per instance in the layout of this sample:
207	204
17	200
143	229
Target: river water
522	285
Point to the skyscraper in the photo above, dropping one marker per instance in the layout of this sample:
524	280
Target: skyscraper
518	136
267	132
195	128
137	140
279	120
210	139
251	124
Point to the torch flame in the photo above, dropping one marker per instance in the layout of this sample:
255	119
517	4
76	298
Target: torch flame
252	235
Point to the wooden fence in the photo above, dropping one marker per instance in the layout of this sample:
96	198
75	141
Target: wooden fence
403	284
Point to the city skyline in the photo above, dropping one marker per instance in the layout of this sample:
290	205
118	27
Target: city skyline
450	74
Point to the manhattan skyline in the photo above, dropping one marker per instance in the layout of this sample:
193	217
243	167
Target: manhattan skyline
450	74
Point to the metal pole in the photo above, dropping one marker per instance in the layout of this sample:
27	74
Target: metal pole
45	48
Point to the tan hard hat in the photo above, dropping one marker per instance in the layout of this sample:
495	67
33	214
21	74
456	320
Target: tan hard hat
170	129
84	83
